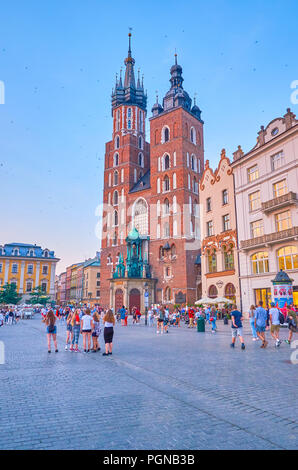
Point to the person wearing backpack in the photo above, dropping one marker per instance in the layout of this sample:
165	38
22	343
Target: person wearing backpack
292	324
275	324
50	320
160	320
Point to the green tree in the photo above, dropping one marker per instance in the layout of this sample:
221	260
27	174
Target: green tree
38	296
9	294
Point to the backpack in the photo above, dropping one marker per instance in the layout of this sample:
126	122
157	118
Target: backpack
281	318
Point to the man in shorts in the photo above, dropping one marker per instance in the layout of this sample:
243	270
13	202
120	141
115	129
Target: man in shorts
237	329
260	323
274	321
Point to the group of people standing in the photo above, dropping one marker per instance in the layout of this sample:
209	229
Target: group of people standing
261	320
82	321
9	316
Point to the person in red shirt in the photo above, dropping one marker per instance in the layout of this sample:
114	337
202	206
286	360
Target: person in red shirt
138	314
191	315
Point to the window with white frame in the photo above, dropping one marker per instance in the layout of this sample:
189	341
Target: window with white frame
254	201
226	222
140	216
287	258
165	134
30	269
166	184
280	188
209	228
45	270
225	199
116	176
277	160
1	267
252	173
260	262
166	162
14	268
257	228
283	221
115	198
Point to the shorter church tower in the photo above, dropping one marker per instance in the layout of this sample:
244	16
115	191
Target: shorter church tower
177	162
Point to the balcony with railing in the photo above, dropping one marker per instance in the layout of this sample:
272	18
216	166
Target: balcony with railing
269	238
280	202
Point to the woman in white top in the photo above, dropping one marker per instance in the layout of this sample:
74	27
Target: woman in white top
87	327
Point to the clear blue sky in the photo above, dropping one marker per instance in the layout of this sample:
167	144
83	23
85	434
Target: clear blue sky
58	61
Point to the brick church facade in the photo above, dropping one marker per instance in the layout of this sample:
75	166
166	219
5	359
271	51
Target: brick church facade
151	227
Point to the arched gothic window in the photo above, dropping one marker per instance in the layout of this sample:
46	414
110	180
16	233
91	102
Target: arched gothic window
140	216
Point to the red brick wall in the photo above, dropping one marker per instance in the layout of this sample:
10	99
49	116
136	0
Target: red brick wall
182	268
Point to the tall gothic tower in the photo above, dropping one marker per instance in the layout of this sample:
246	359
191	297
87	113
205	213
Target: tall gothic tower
177	162
127	160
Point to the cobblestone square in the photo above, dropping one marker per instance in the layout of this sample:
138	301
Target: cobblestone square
182	390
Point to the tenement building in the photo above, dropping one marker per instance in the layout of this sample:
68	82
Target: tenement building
266	203
28	267
219	259
150	235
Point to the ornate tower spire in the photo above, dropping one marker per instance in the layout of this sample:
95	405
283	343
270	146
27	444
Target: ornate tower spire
128	92
129	62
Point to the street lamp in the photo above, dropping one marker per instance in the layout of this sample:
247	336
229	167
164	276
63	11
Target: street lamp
146	298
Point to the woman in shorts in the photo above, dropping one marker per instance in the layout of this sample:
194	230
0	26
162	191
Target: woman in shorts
96	332
108	332
76	328
69	332
50	321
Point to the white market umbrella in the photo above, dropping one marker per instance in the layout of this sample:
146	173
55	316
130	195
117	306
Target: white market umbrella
222	300
205	300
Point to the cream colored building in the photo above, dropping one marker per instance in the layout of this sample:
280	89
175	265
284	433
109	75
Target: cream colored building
28	266
266	180
91	281
219	260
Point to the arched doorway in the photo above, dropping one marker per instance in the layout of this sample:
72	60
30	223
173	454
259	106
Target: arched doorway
134	299
212	293
230	292
118	299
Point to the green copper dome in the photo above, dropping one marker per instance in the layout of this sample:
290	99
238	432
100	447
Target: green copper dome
133	234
